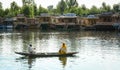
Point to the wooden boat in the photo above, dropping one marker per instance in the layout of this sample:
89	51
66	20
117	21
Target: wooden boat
54	54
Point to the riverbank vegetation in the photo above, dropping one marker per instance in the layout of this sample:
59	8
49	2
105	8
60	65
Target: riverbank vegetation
30	9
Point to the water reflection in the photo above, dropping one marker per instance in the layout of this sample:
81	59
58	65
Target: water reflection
32	60
28	60
96	49
63	61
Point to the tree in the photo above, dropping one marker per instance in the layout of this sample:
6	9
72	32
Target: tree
29	6
55	12
7	13
0	5
104	5
116	7
103	8
35	10
26	11
85	11
108	8
61	6
50	9
28	2
24	2
84	7
71	3
1	10
14	8
75	10
94	10
42	10
79	11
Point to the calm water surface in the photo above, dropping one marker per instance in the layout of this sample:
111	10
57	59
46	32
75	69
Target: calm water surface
97	50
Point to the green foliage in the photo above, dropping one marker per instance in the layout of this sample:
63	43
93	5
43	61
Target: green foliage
83	7
35	10
74	10
50	9
1	10
29	9
94	10
0	5
61	7
85	10
80	11
71	3
14	9
116	7
26	10
55	12
42	10
7	13
28	6
1	13
105	8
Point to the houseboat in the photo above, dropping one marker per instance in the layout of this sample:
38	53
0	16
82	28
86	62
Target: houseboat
1	20
44	21
116	17
8	23
1	23
87	23
21	22
106	21
31	22
66	22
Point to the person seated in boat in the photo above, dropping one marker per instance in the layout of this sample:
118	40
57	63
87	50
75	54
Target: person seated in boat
31	49
63	49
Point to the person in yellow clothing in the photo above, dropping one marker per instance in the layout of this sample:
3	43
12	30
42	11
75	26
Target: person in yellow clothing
63	49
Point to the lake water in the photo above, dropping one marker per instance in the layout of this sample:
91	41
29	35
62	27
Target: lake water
98	50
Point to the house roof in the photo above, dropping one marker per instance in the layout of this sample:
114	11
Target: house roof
10	19
106	14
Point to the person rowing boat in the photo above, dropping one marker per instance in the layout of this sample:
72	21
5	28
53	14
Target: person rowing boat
31	49
63	49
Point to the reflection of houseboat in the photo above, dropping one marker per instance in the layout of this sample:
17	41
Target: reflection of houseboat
44	20
106	21
66	22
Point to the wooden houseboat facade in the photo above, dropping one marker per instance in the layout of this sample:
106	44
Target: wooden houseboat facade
31	22
106	21
87	23
7	23
44	21
1	23
66	23
21	22
116	17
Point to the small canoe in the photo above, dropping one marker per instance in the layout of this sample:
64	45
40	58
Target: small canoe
55	54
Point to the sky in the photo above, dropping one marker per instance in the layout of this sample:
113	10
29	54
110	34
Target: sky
46	3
